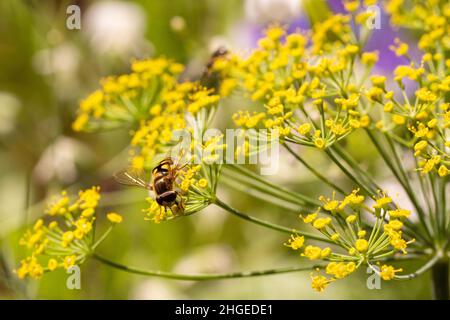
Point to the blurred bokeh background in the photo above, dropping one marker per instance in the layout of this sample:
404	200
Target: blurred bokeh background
45	69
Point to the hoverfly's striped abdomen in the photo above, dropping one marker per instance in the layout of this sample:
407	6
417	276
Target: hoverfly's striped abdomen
167	198
161	184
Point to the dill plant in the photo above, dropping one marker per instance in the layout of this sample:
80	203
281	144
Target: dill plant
314	88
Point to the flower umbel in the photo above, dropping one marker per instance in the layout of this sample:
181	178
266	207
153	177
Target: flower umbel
355	243
64	237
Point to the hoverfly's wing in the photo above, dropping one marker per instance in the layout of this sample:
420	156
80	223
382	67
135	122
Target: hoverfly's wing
132	177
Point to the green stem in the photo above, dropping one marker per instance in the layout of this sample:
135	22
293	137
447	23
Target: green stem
256	178
437	206
293	207
239	179
266	224
362	174
103	237
430	263
421	270
420	212
314	171
442	213
348	173
440	278
201	277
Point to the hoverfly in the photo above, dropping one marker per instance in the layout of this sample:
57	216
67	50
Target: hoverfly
162	183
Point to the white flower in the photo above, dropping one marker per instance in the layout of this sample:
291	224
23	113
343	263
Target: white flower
59	161
115	27
265	11
62	61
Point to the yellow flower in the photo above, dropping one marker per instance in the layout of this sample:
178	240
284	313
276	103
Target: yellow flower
53	225
36	271
295	242
312	252
378	80
361	245
335	237
321	223
69	261
401	49
88	212
369	58
310	217
388	272
304	128
382	203
114	217
426	95
399	213
319	143
419	146
325	252
203	183
275	33
353	199
52	264
397	242
67	237
30	267
361	234
351	5
394	225
340	269
330	204
398	120
319	283
389	106
443	171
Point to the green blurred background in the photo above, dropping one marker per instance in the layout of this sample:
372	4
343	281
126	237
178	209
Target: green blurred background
45	69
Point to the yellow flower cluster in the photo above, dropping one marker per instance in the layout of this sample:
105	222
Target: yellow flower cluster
307	90
342	223
127	97
430	17
64	237
426	116
150	97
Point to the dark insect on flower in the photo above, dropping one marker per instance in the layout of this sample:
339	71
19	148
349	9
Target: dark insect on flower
163	179
211	78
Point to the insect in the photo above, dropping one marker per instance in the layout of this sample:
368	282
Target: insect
210	78
164	176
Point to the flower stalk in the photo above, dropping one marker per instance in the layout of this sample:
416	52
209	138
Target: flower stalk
202	277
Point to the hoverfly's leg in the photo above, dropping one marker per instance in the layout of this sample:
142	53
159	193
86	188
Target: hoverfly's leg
181	154
162	212
180	202
179	169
